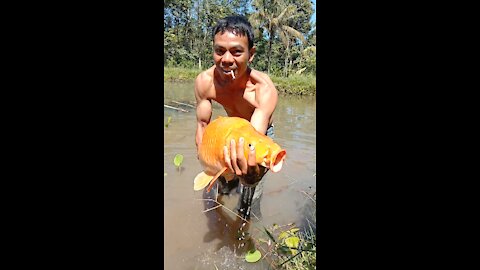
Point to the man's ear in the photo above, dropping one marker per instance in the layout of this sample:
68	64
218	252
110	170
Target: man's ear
252	54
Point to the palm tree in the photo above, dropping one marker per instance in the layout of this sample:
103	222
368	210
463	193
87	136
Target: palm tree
274	17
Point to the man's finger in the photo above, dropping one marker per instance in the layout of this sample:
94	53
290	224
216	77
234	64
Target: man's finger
233	155
227	158
252	175
252	157
241	160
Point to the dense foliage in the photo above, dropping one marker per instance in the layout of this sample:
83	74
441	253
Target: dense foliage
284	35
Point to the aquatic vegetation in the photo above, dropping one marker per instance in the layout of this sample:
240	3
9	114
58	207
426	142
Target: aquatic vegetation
287	246
253	256
169	120
292	248
178	160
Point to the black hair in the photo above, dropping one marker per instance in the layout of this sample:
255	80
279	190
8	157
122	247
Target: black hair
237	25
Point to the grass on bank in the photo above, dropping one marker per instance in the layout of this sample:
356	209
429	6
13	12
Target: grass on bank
292	85
299	254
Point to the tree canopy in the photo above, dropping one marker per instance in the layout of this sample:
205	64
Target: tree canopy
284	35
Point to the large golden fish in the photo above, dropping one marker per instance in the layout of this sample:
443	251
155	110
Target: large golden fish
218	134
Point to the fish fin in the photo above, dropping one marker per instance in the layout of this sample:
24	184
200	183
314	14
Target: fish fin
201	181
215	178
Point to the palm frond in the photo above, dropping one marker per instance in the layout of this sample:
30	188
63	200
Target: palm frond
288	11
293	32
283	38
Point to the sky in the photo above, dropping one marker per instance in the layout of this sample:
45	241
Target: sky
313	18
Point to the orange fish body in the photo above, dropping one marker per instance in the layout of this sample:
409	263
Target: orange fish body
218	134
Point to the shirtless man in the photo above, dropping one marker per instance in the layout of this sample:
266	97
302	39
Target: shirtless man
242	91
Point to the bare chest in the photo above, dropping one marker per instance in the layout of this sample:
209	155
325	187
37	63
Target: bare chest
237	103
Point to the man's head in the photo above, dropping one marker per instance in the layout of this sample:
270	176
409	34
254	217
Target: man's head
232	46
238	25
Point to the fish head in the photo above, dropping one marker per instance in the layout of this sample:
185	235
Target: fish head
268	153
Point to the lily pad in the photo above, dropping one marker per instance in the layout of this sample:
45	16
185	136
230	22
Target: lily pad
253	256
178	160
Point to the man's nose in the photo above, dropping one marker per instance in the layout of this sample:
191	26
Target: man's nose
227	58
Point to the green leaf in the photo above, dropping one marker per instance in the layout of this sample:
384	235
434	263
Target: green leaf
253	256
169	119
282	235
292	242
294	230
178	160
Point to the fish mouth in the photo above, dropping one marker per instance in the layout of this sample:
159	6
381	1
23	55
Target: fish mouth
276	162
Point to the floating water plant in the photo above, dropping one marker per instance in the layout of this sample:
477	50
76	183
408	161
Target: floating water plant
169	120
292	242
178	160
253	256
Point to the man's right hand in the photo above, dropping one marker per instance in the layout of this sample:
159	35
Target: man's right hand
238	164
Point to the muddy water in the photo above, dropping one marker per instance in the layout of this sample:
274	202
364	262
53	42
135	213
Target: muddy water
195	239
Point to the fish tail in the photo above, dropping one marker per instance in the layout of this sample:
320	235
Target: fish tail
202	180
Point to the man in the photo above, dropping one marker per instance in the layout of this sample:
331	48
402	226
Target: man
243	92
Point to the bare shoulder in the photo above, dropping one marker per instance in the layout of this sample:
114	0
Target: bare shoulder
260	77
203	82
263	84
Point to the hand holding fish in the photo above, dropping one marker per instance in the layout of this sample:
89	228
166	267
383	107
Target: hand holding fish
248	162
238	164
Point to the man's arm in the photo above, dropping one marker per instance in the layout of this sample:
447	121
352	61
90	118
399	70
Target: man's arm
204	107
266	97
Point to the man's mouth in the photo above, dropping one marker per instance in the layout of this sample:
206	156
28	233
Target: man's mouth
230	72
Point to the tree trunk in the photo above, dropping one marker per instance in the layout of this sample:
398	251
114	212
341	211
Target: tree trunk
290	66
301	56
198	34
269	51
287	57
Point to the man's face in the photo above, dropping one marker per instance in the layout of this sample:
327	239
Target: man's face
230	52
